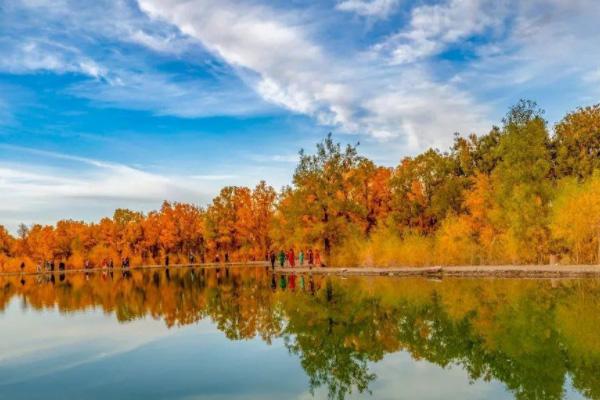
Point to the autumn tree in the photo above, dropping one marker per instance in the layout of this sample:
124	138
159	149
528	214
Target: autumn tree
577	143
72	237
576	219
477	153
424	189
41	242
238	221
263	208
189	221
323	188
6	242
371	194
128	231
483	216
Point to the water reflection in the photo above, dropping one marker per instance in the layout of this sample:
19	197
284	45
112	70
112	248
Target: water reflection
537	337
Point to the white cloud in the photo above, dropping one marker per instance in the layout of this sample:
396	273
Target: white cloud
44	55
369	8
279	158
275	53
69	38
59	185
387	90
550	44
433	27
214	177
170	95
427	113
111	19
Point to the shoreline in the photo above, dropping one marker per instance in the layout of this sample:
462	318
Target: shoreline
467	271
499	271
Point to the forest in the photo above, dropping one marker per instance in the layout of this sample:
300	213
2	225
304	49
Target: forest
523	193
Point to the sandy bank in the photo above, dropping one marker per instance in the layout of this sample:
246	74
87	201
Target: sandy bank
505	271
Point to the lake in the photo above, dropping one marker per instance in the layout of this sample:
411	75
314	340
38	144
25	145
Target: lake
246	333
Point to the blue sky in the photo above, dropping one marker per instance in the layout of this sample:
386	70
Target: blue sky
124	103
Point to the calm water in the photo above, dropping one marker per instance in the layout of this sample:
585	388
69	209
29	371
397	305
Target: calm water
248	334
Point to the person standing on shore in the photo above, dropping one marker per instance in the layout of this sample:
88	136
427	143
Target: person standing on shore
272	259
310	258
301	258
167	260
292	258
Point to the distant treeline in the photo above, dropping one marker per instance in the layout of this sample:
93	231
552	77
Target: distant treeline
514	195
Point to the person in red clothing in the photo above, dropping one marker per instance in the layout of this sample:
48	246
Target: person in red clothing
292	258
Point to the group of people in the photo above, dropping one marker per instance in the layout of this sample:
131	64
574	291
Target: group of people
289	258
108	263
283	258
48	266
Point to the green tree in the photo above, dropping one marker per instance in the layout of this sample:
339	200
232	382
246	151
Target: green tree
522	180
577	143
424	190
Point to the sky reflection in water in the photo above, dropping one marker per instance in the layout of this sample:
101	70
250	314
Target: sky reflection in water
244	333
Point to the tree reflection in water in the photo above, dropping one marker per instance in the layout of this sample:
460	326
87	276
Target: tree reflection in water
532	335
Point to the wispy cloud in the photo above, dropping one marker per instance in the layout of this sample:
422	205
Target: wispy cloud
433	27
44	55
280	158
77	40
536	51
83	183
369	8
293	71
215	177
168	94
398	84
